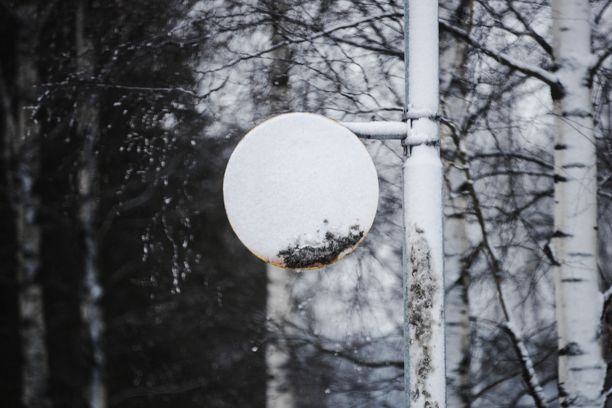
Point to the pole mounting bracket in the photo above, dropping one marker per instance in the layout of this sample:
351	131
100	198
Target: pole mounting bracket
414	114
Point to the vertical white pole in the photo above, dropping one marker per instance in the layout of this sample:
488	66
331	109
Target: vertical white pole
424	357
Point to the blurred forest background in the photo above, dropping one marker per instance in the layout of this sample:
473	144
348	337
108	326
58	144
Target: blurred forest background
122	284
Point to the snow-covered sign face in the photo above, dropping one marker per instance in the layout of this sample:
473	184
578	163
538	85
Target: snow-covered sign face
300	191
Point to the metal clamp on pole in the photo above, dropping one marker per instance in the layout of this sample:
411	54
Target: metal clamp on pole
415	137
421	114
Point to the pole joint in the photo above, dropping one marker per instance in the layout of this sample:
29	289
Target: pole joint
423	136
414	114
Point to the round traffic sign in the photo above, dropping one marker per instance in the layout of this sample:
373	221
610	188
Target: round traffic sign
300	191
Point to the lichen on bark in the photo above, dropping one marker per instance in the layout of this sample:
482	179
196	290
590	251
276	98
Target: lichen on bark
422	289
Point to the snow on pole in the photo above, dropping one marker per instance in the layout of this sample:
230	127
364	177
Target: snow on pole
424	359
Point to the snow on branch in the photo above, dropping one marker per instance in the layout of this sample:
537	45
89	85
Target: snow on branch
486	388
607	294
529	372
531	70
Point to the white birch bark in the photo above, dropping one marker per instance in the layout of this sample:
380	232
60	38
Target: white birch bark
579	301
88	129
458	329
279	390
22	159
424	360
279	393
456	240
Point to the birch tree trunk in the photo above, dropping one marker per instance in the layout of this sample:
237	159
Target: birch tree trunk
23	164
457	243
458	329
279	393
424	362
34	351
88	130
579	301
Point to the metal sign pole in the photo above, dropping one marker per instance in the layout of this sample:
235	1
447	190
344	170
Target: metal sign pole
423	255
424	359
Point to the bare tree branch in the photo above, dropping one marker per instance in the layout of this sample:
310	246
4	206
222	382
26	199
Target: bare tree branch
529	375
531	70
598	61
325	33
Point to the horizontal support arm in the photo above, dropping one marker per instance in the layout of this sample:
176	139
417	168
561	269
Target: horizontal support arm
387	130
390	130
